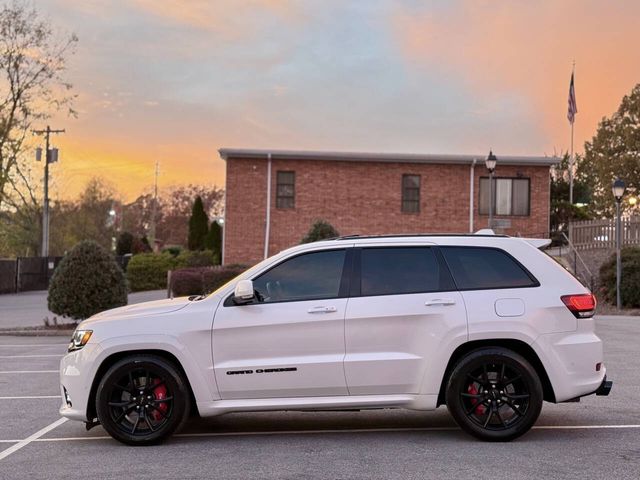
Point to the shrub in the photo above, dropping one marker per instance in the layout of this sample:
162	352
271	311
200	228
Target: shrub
629	291
202	280
148	271
87	281
174	250
320	230
202	258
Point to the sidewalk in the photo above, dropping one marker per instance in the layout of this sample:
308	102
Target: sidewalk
28	309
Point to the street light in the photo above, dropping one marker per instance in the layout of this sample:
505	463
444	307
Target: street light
490	163
618	189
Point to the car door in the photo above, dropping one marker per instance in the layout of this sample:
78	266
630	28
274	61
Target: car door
290	341
404	311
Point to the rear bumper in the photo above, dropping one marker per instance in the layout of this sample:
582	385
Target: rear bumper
604	388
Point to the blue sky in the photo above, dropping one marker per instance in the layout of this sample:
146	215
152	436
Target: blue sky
175	81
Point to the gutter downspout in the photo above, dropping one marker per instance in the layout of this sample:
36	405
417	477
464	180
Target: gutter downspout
267	227
471	185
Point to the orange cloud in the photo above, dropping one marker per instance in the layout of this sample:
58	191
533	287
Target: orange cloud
527	48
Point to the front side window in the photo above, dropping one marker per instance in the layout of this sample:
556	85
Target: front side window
480	268
285	189
510	196
411	193
399	270
309	276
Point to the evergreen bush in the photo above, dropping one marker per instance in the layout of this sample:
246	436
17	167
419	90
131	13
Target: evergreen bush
320	230
88	280
629	291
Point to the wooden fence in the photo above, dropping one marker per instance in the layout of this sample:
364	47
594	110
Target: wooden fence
592	234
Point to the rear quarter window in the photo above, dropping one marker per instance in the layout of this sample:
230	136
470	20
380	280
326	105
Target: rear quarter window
480	268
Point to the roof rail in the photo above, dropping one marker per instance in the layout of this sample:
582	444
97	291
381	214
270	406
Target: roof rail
480	233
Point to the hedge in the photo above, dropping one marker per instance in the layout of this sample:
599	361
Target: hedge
148	271
629	291
202	280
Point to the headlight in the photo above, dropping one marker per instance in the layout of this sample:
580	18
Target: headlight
79	339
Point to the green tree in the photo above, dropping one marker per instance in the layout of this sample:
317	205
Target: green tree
614	152
87	281
198	225
320	230
213	241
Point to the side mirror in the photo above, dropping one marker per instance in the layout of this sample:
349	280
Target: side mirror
243	293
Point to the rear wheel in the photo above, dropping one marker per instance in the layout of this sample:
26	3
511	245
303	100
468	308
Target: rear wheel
494	394
142	400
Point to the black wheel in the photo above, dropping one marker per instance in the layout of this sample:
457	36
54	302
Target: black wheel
142	400
494	394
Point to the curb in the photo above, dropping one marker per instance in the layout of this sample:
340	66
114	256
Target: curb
36	333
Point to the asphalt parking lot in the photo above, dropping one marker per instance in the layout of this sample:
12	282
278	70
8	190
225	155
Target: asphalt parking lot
596	438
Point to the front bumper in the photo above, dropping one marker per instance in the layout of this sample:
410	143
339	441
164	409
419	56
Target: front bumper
77	370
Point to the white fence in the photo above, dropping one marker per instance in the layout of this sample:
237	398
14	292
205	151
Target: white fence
591	234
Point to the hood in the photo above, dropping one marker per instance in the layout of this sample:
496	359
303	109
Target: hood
157	307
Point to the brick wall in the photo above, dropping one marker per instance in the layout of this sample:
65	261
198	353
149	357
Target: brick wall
360	198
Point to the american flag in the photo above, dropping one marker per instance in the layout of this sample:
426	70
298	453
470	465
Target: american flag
573	108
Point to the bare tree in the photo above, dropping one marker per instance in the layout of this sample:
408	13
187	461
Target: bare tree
32	88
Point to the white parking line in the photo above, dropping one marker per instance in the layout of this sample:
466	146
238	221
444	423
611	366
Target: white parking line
32	356
316	432
32	397
23	443
29	371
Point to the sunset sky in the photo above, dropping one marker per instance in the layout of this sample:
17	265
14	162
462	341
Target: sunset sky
175	81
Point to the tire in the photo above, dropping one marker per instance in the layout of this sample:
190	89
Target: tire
494	394
148	418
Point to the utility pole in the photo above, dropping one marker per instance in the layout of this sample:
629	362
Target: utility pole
49	157
152	229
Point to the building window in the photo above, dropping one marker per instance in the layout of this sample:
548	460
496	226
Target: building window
411	193
286	190
511	196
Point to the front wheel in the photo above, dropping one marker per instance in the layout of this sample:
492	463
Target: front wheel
494	394
142	400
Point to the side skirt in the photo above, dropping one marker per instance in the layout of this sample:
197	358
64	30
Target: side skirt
347	402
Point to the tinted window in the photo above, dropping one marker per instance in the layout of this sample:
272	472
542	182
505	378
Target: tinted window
305	277
388	271
476	268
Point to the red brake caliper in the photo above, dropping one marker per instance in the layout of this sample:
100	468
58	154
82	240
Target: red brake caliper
480	409
159	393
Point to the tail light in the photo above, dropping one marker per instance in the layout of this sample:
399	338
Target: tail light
582	305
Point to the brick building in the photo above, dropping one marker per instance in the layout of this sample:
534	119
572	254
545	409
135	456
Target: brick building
273	196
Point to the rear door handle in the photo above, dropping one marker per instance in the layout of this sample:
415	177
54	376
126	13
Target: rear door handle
439	301
322	310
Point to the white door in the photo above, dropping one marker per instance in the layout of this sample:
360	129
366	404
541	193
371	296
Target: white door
403	312
290	341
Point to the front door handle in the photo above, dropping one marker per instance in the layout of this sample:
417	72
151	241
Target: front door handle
322	310
439	301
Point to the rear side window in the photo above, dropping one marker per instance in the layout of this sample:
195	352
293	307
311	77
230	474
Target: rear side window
400	270
478	268
306	277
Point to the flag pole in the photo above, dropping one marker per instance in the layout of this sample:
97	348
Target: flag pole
571	159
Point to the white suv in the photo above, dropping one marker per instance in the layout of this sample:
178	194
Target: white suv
486	324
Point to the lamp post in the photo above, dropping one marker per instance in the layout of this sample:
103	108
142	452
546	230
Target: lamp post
490	163
618	189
